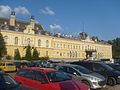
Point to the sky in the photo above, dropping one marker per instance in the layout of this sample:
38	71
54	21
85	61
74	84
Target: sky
96	17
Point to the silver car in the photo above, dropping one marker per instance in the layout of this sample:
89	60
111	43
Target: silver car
80	73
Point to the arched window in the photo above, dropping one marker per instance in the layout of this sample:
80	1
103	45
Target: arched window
47	43
16	40
28	41
39	42
6	39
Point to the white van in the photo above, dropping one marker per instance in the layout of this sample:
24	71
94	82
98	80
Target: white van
107	60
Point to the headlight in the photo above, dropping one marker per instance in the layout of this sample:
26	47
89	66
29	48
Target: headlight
89	89
118	76
95	79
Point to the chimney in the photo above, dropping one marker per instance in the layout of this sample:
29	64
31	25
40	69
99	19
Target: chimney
12	18
32	22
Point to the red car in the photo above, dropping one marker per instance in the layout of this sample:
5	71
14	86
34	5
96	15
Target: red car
48	79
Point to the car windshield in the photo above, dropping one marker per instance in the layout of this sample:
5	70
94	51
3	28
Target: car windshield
82	69
6	82
57	76
9	64
107	66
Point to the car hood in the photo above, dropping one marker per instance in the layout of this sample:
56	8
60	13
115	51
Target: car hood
97	75
116	72
72	85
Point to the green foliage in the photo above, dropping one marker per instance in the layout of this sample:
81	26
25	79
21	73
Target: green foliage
17	55
115	47
35	54
2	46
28	55
8	57
44	58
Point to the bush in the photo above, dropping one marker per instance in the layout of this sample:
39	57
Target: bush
28	53
8	57
17	55
44	58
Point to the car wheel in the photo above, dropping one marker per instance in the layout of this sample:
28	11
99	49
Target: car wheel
86	82
111	81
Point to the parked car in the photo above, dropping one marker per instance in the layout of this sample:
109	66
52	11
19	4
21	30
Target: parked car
44	63
7	66
80	73
48	79
7	83
18	65
112	75
115	66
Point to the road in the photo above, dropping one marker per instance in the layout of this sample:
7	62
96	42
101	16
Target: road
116	87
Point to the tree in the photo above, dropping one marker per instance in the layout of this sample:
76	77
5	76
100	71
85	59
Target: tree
28	53
2	46
35	54
17	55
115	47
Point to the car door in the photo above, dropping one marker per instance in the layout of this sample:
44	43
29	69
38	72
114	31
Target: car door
20	75
29	79
75	74
41	81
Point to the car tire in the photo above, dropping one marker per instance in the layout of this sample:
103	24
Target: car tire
111	81
86	82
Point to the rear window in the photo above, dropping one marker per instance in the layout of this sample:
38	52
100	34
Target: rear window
22	72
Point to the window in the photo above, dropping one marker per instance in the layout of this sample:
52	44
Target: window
46	53
28	30
72	71
57	76
22	72
40	77
97	67
30	74
16	40
62	68
39	42
47	43
60	54
6	39
28	41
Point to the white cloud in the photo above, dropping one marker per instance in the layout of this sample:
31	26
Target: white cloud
56	27
37	21
22	10
4	10
48	11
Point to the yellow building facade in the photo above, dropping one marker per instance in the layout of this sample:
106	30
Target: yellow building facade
18	34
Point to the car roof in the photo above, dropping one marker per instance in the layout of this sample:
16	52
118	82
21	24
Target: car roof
2	73
41	69
6	62
64	64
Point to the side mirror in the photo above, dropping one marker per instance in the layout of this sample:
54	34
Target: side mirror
19	82
74	73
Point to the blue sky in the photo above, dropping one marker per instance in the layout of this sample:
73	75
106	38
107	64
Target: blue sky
100	17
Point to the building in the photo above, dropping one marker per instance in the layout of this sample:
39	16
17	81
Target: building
18	34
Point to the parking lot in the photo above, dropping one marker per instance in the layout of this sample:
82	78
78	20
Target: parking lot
116	87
